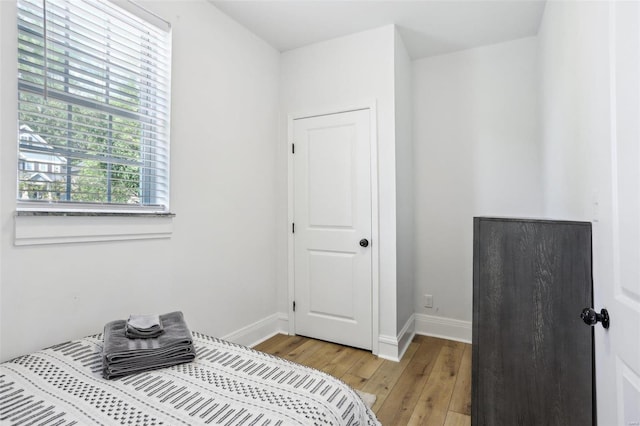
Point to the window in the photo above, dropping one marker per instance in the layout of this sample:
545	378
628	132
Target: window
93	102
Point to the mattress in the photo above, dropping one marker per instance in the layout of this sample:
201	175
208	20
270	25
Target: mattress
226	384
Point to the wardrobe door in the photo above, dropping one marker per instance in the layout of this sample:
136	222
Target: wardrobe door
532	354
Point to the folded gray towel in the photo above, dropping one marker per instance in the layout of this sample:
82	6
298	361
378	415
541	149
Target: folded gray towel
122	356
143	326
144	322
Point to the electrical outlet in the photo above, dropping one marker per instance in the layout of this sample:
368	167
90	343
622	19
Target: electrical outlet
428	301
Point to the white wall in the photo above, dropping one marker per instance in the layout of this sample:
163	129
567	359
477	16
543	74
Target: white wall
404	184
334	74
476	152
573	53
219	266
457	138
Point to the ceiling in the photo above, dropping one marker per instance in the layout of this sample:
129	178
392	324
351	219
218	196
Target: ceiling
428	27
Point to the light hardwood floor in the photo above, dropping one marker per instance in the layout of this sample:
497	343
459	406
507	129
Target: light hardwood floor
431	385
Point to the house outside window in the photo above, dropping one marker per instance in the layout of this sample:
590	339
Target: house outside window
93	107
36	182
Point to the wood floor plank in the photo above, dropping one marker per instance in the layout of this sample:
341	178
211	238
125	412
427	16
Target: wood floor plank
457	419
303	352
365	367
419	338
324	354
461	398
354	381
432	406
286	346
266	345
343	362
398	407
386	376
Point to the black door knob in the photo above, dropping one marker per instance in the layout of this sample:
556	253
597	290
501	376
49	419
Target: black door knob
591	317
364	242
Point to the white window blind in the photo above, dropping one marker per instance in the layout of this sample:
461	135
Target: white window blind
93	107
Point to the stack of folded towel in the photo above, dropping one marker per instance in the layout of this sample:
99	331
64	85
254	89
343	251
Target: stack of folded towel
153	344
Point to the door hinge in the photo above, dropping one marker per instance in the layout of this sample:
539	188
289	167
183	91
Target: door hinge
294	306
293	228
293	148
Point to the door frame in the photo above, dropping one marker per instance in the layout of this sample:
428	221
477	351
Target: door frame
375	252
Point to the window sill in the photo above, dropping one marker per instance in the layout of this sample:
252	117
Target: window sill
59	227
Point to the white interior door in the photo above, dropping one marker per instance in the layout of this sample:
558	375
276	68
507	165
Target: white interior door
332	216
617	236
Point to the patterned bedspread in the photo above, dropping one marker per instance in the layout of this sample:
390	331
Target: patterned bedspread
227	384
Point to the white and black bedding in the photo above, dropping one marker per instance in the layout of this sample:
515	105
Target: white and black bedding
226	384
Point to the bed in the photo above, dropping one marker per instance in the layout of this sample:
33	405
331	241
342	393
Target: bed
226	384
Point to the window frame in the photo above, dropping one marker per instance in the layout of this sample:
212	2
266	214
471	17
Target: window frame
33	208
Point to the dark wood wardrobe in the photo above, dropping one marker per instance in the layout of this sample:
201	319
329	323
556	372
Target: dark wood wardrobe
532	354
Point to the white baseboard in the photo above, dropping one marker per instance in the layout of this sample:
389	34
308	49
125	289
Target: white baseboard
388	347
393	348
260	330
445	328
405	337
